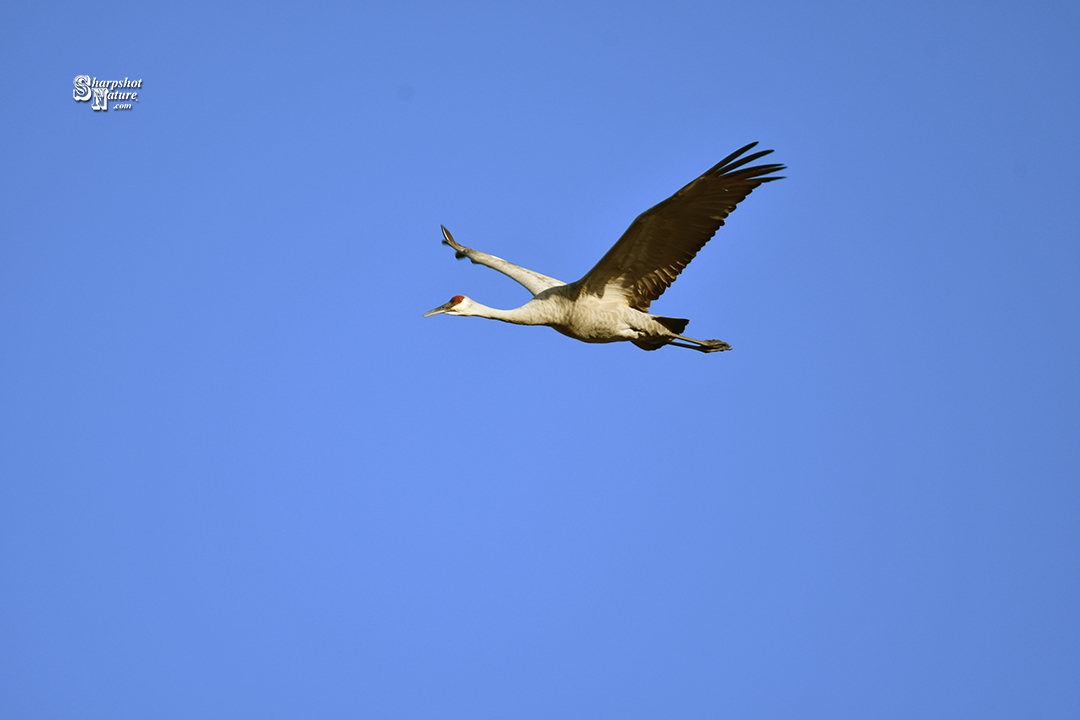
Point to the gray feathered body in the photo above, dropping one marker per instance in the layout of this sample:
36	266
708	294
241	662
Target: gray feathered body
593	319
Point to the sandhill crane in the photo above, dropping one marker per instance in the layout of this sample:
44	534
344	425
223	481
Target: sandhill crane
611	303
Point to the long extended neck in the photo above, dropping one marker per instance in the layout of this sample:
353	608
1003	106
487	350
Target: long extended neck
528	314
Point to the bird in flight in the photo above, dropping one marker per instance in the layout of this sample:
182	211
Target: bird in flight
611	303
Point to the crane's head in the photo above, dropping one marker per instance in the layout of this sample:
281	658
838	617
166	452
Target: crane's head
458	305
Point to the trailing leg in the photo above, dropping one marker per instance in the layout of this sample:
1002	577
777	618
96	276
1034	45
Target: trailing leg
706	346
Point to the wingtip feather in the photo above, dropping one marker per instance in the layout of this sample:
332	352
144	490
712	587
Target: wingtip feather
448	239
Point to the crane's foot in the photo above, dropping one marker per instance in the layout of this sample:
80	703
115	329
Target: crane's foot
705	346
714	346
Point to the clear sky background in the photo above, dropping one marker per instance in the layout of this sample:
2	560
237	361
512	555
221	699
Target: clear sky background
243	477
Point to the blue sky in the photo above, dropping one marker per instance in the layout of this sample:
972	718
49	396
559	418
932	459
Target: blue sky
243	477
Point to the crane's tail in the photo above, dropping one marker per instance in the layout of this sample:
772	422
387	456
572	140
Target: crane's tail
675	325
672	325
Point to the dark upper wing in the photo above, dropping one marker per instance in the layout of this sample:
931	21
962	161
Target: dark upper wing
665	238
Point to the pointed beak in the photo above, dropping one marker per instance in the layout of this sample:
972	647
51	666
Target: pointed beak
439	310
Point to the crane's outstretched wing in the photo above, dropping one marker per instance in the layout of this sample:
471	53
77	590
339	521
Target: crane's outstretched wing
665	238
534	282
